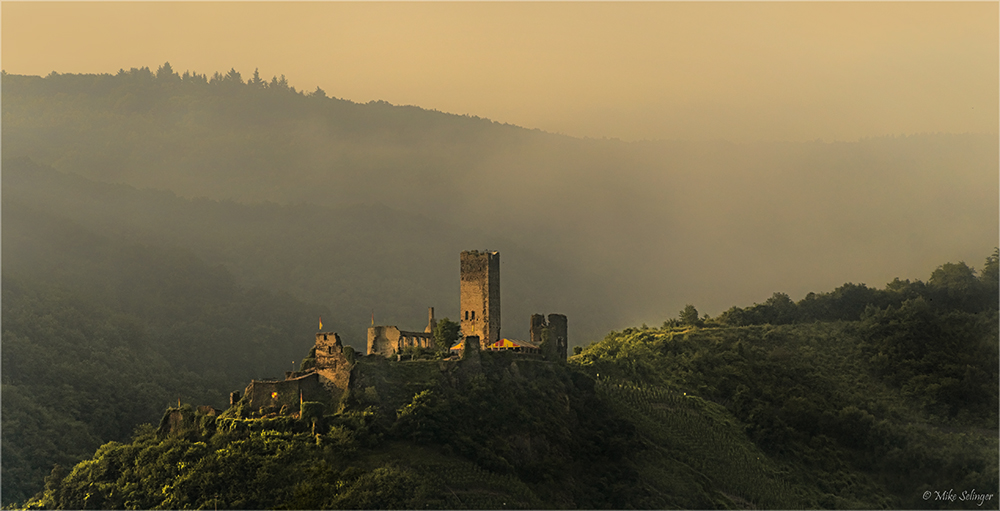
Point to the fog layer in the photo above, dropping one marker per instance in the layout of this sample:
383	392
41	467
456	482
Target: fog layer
608	232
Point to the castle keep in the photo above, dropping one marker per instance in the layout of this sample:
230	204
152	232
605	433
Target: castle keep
479	317
480	295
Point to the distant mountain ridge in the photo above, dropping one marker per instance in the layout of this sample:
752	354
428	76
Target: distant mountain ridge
676	222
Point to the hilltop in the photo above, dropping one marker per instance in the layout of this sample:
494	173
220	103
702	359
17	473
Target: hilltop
167	237
699	413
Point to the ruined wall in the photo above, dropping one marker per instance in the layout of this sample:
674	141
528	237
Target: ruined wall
555	346
431	322
558	335
471	357
535	330
480	295
265	396
389	340
382	340
332	364
326	381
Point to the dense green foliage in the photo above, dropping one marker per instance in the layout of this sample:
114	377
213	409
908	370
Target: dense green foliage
807	398
952	287
446	333
871	413
100	334
119	299
517	433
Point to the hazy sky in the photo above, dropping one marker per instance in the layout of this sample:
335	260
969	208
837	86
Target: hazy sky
737	71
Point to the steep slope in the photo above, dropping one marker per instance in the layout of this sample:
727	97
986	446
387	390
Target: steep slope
766	416
518	433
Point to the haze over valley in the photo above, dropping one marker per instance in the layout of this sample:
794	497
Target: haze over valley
610	233
777	193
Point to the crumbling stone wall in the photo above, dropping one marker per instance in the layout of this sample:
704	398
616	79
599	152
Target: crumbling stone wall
480	295
325	382
471	357
389	340
332	364
558	335
265	396
555	342
431	322
537	326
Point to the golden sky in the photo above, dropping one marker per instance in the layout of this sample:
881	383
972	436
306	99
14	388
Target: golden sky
645	70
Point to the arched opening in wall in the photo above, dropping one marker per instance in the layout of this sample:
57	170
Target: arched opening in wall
473	315
466	315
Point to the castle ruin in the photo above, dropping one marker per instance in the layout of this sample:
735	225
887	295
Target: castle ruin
479	289
390	340
326	375
551	337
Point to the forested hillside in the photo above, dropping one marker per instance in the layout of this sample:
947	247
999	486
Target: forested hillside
99	334
655	223
835	413
355	260
169	236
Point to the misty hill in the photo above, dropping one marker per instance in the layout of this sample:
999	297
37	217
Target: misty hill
352	259
100	333
654	224
836	414
170	236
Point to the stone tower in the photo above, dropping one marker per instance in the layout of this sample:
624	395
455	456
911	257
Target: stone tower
480	291
557	334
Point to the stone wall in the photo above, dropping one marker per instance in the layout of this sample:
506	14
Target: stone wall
431	322
389	340
535	330
265	396
332	364
326	382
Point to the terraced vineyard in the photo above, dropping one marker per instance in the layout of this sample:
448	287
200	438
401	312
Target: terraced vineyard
705	437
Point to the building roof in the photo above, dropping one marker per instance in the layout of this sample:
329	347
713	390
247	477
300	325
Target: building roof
501	344
510	343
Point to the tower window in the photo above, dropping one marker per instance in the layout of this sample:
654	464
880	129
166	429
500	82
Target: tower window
466	315
473	315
